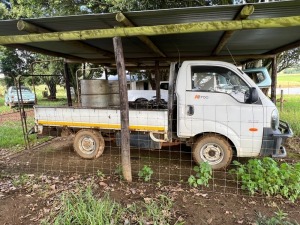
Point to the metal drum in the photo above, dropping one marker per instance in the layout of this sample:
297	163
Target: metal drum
94	100
94	93
114	93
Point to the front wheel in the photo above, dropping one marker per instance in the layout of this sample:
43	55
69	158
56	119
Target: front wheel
213	149
89	144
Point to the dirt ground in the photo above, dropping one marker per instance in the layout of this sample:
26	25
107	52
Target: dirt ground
54	168
14	115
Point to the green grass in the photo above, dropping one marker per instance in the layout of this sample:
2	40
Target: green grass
84	208
11	135
288	80
291	112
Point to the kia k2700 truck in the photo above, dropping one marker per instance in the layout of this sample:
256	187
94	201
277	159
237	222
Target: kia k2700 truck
213	107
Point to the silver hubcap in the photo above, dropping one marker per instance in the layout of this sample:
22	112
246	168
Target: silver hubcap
87	144
212	153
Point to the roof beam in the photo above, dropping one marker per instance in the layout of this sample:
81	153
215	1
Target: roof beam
43	51
34	29
184	28
289	46
121	18
246	11
150	60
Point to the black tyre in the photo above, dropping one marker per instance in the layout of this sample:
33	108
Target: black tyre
213	149
89	144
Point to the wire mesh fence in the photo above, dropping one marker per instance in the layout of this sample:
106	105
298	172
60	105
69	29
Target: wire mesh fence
56	152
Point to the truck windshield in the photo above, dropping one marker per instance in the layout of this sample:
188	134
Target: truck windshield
218	79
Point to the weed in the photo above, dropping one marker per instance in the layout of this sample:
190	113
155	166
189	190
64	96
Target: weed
266	176
154	211
280	218
21	180
119	171
100	174
145	173
84	208
203	175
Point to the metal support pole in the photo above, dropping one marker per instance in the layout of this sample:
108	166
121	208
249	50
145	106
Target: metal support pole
281	100
124	109
67	76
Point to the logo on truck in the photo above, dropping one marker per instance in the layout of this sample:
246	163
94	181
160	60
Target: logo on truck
201	97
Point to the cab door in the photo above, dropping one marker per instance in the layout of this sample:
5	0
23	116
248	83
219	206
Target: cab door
214	102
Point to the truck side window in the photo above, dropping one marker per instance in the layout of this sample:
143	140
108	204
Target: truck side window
218	79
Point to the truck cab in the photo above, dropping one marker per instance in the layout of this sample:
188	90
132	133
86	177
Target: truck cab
223	112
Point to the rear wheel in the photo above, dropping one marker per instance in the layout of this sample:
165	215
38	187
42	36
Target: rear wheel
89	144
213	149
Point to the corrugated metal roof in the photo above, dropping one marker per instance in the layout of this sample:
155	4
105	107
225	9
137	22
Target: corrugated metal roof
243	42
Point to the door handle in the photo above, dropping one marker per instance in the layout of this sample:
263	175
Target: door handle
190	110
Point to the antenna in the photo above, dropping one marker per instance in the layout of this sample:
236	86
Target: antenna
231	56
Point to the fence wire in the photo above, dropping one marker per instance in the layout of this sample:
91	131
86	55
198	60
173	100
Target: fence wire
54	153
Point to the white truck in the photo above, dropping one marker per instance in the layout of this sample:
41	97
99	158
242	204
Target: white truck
213	107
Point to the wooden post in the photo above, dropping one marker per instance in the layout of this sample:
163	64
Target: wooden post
106	74
274	80
125	136
281	100
172	78
67	76
157	81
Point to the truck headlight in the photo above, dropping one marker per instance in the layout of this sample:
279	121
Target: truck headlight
274	120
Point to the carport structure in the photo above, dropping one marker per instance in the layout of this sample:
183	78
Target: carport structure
239	32
235	33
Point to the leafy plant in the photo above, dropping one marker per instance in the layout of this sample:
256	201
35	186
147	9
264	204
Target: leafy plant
119	171
203	175
145	173
280	218
20	180
100	174
266	176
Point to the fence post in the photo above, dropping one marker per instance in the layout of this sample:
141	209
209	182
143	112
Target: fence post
281	100
124	109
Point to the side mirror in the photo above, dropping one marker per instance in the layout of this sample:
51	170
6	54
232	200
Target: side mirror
251	96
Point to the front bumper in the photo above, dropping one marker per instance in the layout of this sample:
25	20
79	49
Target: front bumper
25	102
274	139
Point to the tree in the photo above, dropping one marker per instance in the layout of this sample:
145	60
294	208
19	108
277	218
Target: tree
14	63
49	71
284	60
